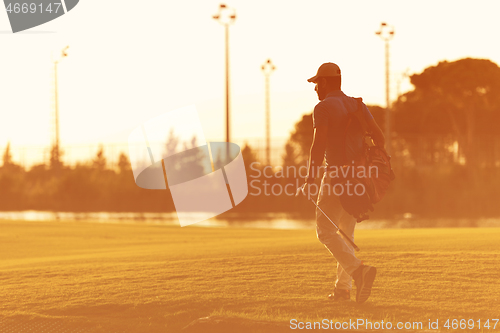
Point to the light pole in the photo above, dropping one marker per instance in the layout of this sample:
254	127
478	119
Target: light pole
386	32
267	69
56	104
226	16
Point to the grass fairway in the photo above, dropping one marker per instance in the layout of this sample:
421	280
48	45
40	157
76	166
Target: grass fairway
86	277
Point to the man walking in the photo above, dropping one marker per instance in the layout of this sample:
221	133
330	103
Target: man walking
330	118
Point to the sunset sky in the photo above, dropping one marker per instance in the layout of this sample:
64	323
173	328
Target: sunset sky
129	61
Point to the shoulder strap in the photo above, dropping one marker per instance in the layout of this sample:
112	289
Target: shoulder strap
358	114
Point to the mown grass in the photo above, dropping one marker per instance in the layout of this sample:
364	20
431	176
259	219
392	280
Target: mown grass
147	278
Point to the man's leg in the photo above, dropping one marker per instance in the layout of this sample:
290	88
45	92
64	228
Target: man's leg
347	223
327	233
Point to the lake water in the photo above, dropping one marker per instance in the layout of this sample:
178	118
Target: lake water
264	221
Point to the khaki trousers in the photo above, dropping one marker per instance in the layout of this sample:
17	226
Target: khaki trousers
327	234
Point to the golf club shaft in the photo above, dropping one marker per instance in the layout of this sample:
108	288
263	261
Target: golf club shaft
301	189
340	230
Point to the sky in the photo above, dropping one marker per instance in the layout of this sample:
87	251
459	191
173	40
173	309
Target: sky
130	61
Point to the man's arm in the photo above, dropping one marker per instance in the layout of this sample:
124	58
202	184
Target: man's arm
317	153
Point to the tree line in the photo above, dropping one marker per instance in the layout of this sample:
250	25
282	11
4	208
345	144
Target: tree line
85	187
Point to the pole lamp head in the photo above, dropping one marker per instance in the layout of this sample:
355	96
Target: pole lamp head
268	67
386	32
226	15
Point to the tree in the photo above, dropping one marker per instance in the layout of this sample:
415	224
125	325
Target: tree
171	143
7	157
99	162
12	179
300	140
55	158
249	157
378	114
290	156
123	164
8	163
185	164
453	102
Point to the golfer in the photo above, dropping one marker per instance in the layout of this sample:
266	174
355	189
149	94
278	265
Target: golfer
330	121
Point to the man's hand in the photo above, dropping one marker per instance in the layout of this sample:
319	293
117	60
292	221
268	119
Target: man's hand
376	134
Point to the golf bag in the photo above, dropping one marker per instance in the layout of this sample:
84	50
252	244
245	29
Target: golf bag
373	160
